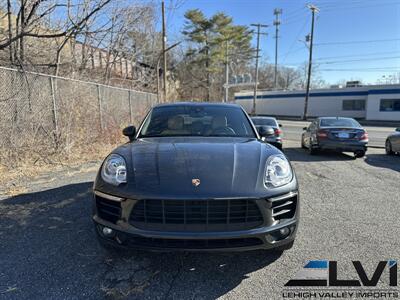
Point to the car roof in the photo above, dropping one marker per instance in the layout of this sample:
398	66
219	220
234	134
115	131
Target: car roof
194	104
340	118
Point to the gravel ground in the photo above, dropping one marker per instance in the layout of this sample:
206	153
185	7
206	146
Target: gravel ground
349	211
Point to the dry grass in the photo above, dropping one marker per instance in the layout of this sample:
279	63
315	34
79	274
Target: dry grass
13	177
86	125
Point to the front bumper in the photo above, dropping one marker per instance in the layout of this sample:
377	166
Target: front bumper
270	234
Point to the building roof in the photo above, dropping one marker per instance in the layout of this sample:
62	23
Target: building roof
346	91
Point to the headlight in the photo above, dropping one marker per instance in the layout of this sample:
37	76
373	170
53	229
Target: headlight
277	171
114	170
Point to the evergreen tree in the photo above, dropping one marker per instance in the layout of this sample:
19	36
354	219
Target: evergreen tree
212	42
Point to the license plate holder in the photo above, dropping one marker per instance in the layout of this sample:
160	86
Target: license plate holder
343	135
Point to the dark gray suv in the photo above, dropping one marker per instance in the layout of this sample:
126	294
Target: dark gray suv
196	176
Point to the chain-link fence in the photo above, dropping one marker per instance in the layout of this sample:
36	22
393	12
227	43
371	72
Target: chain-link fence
47	114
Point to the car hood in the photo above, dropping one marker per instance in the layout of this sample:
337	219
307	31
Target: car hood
167	166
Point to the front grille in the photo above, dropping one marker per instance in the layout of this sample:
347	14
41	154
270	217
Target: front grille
192	244
196	215
107	209
284	209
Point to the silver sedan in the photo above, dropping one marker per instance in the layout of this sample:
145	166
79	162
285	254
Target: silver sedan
392	144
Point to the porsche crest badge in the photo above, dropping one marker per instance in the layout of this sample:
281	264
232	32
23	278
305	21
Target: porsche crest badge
195	182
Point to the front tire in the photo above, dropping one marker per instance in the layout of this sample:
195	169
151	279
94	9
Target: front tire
388	148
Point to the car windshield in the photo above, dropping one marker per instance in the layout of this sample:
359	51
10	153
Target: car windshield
264	121
339	122
197	120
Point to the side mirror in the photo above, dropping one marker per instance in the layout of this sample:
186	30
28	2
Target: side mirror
398	129
265	131
305	128
130	132
280	125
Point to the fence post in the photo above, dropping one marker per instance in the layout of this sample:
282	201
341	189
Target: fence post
15	115
130	107
100	108
54	110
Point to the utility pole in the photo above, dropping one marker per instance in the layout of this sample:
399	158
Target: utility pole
259	26
313	9
226	72
277	22
158	69
164	42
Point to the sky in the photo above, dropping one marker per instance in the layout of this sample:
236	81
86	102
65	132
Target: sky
353	39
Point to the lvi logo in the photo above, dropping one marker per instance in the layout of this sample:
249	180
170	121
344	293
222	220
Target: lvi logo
325	273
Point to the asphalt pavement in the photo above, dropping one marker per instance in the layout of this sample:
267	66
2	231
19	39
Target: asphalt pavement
377	135
349	211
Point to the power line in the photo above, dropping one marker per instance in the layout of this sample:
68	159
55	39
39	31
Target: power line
361	59
361	69
329	4
297	50
357	42
356	55
294	42
326	3
295	12
348	60
360	5
294	19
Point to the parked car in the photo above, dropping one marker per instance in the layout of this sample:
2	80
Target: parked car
276	138
392	144
337	134
196	176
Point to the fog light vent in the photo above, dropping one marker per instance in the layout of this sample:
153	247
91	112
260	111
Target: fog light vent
284	208
284	232
280	234
108	231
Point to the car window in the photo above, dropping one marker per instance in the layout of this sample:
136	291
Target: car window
339	122
193	120
264	121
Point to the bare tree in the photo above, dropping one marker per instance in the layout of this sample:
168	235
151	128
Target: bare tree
101	40
288	78
39	19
